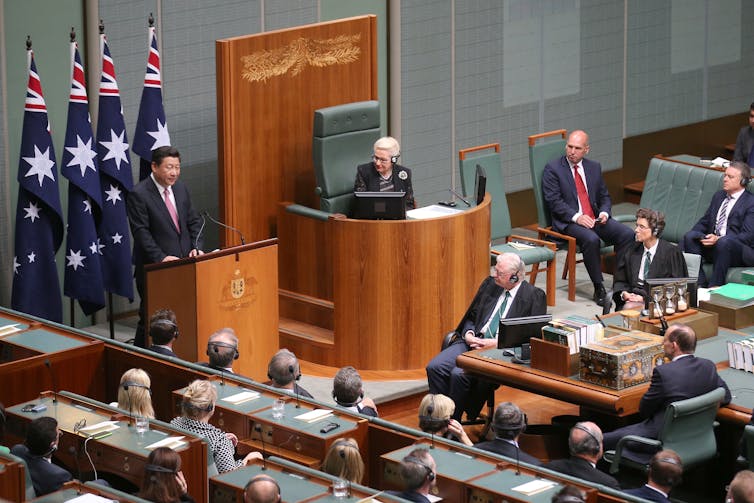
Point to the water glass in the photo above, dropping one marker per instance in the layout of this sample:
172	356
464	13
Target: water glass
278	409
142	425
340	488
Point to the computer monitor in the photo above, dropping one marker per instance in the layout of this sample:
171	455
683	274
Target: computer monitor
480	184
691	286
514	332
380	205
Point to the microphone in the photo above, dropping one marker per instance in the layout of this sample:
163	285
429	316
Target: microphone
226	226
663	321
52	381
130	409
460	197
518	461
258	429
199	234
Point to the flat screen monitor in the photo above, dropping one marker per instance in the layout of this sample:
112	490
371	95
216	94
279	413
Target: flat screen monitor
480	184
691	286
514	332
380	205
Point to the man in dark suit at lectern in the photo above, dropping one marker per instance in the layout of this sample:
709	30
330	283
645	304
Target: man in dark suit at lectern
163	221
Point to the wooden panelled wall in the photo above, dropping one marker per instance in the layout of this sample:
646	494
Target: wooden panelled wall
268	86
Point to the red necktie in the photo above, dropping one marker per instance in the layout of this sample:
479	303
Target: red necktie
171	209
586	206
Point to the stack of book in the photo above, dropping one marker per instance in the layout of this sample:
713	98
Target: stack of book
741	354
733	295
573	331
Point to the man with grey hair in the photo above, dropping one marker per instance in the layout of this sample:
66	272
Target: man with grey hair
222	349
284	372
348	392
508	423
585	445
384	174
418	472
503	294
741	489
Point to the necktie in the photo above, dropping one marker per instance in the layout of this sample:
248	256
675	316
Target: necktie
495	320
586	206
647	261
722	217
171	209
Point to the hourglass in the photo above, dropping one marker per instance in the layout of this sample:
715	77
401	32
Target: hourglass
683	297
669	296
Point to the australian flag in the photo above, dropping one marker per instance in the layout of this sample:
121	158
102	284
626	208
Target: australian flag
39	219
116	180
83	269
151	127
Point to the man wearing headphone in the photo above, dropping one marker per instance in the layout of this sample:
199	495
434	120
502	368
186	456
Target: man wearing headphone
163	330
724	236
665	472
222	349
418	472
42	437
348	392
504	294
262	489
585	445
648	257
508	423
284	372
384	174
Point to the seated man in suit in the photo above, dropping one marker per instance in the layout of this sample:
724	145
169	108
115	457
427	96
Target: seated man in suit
163	329
509	422
585	445
725	233
648	257
384	174
665	472
505	294
222	349
42	437
686	376
418	472
580	205
741	489
745	140
348	392
284	372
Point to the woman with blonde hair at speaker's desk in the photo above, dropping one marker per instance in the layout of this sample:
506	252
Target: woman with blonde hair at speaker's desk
435	412
648	257
343	459
198	407
135	393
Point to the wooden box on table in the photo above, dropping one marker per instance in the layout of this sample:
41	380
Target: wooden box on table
621	361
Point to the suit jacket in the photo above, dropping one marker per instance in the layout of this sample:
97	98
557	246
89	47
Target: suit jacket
368	180
155	235
559	191
685	378
409	496
500	446
647	493
529	301
162	350
740	221
668	262
45	476
583	469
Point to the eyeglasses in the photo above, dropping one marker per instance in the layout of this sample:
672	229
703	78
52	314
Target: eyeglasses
380	159
79	425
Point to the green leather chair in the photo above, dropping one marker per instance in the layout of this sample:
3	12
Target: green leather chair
540	153
488	157
28	484
688	429
343	138
748	445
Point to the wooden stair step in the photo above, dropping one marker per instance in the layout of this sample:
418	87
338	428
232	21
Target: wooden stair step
299	329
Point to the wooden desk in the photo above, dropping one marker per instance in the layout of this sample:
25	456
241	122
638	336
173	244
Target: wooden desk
123	453
492	365
75	488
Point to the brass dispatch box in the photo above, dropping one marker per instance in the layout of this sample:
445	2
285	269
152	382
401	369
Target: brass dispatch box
621	361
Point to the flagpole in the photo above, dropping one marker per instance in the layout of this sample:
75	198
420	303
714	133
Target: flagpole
110	314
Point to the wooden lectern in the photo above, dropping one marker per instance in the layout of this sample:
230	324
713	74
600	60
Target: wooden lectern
235	287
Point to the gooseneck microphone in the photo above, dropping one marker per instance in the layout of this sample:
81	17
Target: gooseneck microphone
459	196
518	460
258	429
226	226
53	382
663	321
199	234
130	408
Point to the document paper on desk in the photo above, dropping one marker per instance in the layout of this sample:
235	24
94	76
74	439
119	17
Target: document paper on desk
90	498
534	487
172	442
98	428
313	415
241	397
431	211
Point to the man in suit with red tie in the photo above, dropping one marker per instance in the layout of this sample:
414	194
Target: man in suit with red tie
163	221
580	206
725	234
